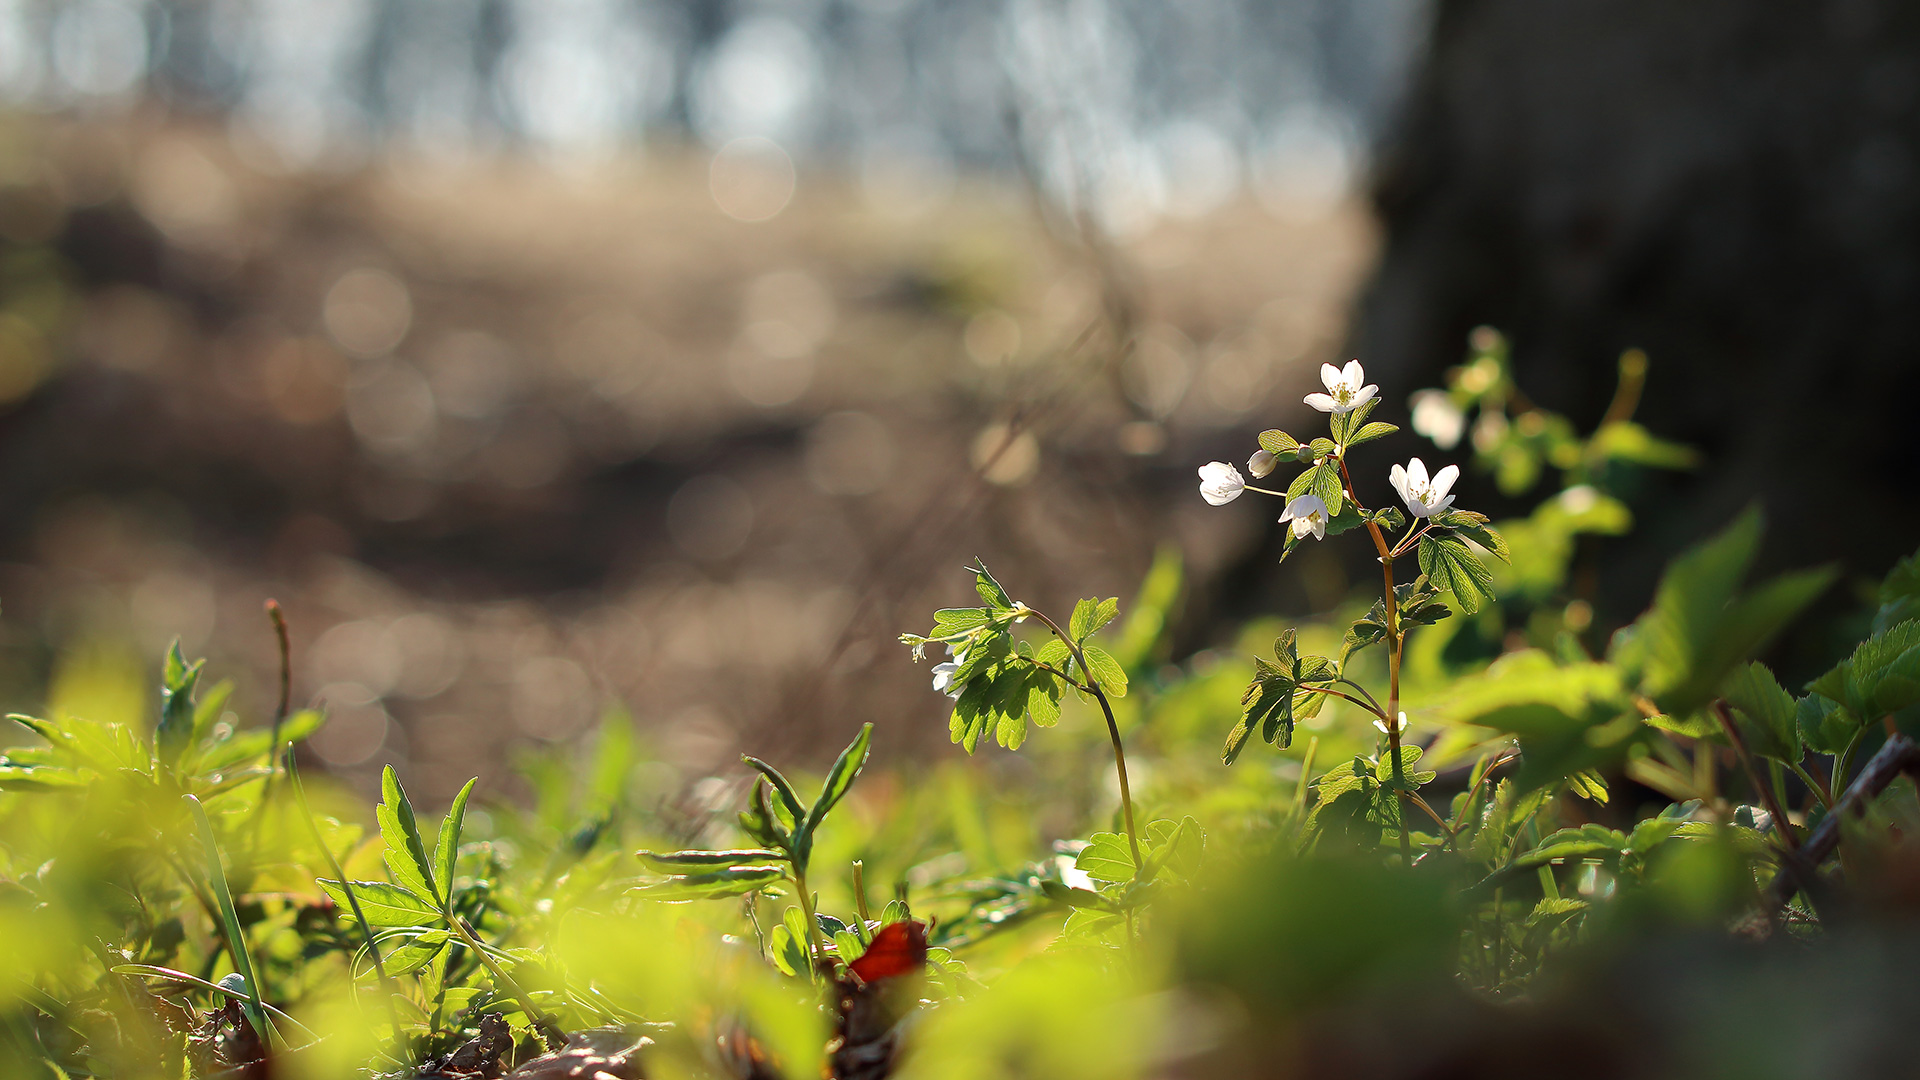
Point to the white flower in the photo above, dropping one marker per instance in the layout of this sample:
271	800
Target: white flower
1382	727
1438	418
1424	497
1344	392
943	674
1220	483
1309	515
1261	463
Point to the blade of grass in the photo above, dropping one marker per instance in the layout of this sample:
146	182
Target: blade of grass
236	936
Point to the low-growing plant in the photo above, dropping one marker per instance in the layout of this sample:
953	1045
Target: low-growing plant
1510	793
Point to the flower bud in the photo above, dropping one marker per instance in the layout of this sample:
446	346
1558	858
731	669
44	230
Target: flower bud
1303	454
1261	463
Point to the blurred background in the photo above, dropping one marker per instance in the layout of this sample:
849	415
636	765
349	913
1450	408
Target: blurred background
551	356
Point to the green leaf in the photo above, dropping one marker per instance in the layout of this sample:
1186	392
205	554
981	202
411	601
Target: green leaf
990	591
175	731
1090	615
1106	858
1326	484
1278	443
757	819
1624	440
1375	430
848	946
1237	738
419	951
1452	567
1882	676
1474	527
712	885
255	743
895	911
1054	653
1589	785
846	769
236	934
675	862
1699	629
406	855
1763	712
1043	698
1106	671
789	952
948	622
789	799
207	712
383	904
448	852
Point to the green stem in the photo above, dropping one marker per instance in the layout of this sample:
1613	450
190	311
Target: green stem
514	989
860	900
1113	734
1813	784
816	945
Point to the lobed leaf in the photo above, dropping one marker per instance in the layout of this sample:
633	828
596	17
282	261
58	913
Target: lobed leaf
383	903
406	854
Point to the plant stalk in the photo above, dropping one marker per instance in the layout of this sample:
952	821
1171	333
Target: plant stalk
1113	733
816	945
1396	641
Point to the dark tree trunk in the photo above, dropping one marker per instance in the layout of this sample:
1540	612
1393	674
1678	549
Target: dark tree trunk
1728	184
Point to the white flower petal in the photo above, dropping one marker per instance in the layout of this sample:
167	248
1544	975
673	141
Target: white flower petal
1220	483
1353	375
1261	463
1365	395
1322	402
1331	377
1417	476
1443	481
1397	476
1319	523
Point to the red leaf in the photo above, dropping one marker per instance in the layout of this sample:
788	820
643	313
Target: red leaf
898	949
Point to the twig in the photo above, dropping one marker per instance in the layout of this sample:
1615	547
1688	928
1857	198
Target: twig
1899	755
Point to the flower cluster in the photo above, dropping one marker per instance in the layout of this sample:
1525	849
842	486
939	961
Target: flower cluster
1349	398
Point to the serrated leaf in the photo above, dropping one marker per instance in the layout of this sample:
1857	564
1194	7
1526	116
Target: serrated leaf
1763	712
383	903
1278	443
1452	567
418	951
1106	858
1375	430
447	853
406	855
1589	785
175	731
